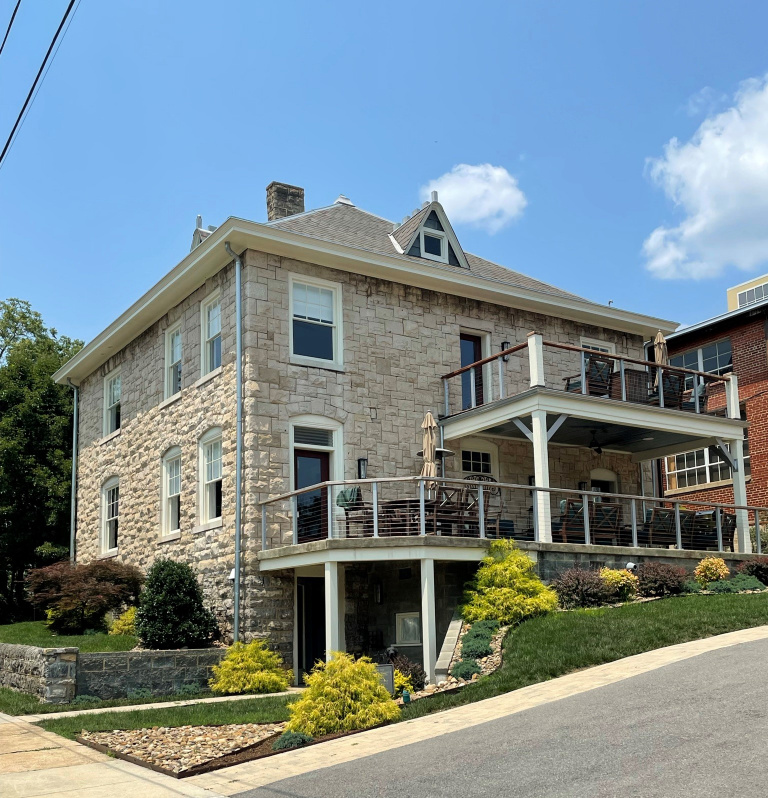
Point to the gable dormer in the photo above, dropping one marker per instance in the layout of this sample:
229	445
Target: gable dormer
428	234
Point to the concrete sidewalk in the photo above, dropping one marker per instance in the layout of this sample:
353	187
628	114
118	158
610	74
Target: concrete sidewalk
34	762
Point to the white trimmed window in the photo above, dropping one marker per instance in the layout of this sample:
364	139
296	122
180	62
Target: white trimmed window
173	361
434	245
716	358
211	327
110	515
112	395
171	521
598	346
700	467
752	295
407	629
479	456
211	476
315	322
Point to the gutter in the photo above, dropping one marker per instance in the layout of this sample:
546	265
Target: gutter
73	489
238	433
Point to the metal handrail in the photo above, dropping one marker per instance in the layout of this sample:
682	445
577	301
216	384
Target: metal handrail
485	360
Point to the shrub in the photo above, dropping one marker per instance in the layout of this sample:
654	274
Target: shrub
488	626
77	597
402	682
249	668
580	587
710	569
757	567
411	670
171	612
125	624
50	553
474	648
140	693
465	669
691	586
85	700
342	695
658	579
189	689
506	588
739	583
289	739
620	583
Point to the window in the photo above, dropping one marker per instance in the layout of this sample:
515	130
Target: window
316	321
171	520
598	346
434	245
173	361
752	295
210	450
211	325
714	358
407	629
110	513
700	467
112	393
479	456
476	462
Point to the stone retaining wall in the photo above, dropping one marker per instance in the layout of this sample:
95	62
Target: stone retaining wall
46	672
119	673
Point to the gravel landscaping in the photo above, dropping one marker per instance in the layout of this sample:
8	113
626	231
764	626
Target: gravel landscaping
183	748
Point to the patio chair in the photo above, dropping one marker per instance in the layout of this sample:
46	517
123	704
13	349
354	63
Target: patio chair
729	531
571	523
689	403
660	531
492	505
605	522
358	516
672	384
597	372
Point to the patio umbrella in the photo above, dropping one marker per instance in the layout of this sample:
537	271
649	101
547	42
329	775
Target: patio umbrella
660	353
429	445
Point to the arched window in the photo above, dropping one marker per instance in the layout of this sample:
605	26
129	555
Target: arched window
211	472
110	515
171	492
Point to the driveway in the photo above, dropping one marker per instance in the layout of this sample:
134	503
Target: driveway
698	727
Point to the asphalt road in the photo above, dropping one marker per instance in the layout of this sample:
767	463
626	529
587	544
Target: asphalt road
695	728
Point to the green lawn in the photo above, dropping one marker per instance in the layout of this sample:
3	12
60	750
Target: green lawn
36	633
556	644
254	710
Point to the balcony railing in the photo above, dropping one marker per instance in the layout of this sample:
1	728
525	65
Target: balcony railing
580	370
476	508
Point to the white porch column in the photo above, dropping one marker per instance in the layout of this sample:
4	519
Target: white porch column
536	359
732	397
740	497
428	622
541	474
332	627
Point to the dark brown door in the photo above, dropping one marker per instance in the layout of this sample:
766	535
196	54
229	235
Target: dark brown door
471	352
310	600
311	468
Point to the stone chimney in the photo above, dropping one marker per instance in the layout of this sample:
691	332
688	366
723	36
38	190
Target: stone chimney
283	200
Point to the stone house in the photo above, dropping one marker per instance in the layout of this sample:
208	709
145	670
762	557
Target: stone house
258	413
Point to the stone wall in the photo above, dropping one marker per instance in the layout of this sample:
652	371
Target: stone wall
117	674
49	673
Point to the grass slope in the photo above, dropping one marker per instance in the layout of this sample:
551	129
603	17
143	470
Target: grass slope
556	644
36	633
255	710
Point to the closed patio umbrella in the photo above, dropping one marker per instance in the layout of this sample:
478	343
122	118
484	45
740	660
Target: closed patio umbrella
429	445
660	354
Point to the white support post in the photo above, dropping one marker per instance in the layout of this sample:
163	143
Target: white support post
541	474
732	398
536	359
428	622
740	496
332	629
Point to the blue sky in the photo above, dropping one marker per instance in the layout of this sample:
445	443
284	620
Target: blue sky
155	112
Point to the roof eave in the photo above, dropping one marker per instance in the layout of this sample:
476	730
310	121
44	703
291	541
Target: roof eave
209	257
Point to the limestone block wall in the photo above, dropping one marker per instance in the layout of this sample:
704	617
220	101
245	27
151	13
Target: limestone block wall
49	673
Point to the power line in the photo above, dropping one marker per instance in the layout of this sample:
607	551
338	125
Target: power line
37	78
10	25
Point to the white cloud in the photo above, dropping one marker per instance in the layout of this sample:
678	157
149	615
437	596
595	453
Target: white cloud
704	101
719	179
483	195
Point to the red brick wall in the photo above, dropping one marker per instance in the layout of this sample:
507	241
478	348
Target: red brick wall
750	364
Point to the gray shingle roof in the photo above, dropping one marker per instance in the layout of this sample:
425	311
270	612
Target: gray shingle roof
348	225
405	232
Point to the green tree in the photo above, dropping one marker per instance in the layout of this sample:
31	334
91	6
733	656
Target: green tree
35	442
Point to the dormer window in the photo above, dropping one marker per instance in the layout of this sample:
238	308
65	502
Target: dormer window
434	245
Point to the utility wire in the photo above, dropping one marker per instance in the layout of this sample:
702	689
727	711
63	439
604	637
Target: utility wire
10	25
37	78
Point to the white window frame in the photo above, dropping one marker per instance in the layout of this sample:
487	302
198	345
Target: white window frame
439	234
707	465
169	363
110	485
336	466
699	350
337	362
743	296
204	492
482	446
604	347
399	640
115	373
172	456
206	367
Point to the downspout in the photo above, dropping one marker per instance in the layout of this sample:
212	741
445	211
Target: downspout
239	433
73	489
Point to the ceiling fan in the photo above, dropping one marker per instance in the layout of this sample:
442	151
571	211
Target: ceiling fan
594	444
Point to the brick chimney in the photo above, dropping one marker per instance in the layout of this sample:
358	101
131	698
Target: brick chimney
283	200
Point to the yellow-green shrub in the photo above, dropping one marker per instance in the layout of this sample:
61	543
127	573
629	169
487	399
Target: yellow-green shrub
402	682
506	588
711	569
124	624
620	583
249	668
343	694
